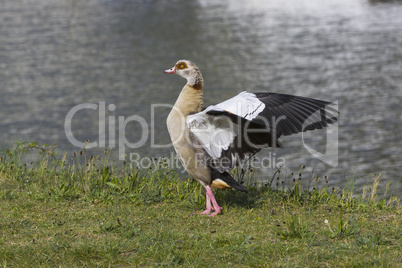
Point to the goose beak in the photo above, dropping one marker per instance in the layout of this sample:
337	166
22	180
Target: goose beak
171	71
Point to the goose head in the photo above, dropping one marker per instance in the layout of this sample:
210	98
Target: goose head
189	71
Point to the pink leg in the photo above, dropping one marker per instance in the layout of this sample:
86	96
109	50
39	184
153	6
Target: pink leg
211	196
209	206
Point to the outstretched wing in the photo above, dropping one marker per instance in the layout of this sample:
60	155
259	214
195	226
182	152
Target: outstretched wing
289	114
232	131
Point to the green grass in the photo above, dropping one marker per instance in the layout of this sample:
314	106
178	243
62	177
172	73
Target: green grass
85	211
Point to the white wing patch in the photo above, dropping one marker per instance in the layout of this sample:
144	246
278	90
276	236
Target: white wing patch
245	105
215	133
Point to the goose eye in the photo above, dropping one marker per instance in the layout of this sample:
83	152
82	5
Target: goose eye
181	66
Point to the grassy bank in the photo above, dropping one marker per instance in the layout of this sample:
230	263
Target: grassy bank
79	210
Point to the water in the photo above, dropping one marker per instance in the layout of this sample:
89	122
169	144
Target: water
55	55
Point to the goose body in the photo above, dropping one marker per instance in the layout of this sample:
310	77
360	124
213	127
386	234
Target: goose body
211	142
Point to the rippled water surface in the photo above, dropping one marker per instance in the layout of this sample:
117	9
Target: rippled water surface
55	55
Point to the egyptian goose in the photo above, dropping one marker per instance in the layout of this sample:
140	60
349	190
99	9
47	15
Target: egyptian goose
210	142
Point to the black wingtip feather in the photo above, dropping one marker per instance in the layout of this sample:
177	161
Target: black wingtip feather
302	113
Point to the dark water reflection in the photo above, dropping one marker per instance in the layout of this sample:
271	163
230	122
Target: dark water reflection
57	54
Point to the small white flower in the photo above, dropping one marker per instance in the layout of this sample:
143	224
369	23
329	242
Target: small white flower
326	221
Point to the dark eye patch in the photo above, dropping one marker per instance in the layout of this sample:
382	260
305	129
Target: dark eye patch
181	65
